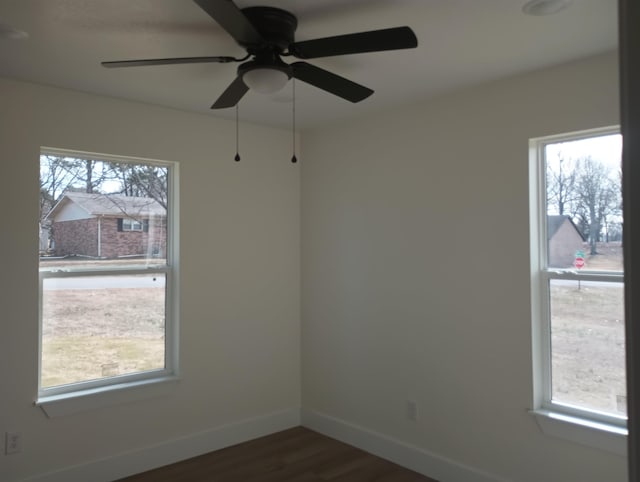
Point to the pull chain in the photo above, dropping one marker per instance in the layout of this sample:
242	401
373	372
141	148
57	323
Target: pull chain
294	159
237	156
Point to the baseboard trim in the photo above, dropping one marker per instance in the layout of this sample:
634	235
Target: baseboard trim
414	458
169	452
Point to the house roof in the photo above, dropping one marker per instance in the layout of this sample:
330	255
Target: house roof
97	204
555	221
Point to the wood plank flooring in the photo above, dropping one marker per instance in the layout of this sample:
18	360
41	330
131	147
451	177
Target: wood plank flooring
294	455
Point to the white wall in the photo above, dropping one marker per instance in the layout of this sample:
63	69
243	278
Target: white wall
240	282
415	278
415	272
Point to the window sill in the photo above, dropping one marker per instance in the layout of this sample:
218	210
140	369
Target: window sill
83	400
609	438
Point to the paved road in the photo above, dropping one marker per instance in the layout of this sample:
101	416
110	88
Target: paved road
98	282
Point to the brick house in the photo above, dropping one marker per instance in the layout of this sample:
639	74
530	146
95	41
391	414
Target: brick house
108	226
564	240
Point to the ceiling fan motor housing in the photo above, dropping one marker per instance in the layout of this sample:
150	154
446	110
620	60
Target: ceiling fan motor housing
276	26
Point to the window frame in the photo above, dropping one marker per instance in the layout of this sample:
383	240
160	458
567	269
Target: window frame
68	398
544	407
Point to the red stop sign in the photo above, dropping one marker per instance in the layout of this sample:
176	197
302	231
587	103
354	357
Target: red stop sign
578	262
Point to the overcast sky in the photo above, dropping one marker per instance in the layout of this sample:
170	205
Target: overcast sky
606	149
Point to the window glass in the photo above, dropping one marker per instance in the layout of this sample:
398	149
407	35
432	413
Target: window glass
106	270
581	291
587	344
584	203
101	326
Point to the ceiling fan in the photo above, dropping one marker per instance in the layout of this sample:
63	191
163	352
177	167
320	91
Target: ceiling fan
267	34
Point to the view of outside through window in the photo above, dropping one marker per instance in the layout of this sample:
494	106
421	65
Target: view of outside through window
103	268
584	236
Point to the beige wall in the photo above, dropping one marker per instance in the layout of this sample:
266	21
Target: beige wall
240	278
416	272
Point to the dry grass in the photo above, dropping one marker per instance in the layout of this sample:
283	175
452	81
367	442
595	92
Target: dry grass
92	333
73	359
588	333
588	347
609	258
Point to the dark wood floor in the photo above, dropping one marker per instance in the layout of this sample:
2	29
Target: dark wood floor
297	454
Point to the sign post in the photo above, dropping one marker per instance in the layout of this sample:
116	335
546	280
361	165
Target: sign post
578	260
579	263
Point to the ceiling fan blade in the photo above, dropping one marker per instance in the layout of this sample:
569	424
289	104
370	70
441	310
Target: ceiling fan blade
232	95
332	83
356	43
179	60
231	18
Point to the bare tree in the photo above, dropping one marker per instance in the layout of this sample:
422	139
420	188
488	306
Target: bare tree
57	175
598	198
94	174
147	181
561	185
60	174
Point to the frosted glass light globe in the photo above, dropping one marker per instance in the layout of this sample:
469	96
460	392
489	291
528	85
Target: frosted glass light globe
265	81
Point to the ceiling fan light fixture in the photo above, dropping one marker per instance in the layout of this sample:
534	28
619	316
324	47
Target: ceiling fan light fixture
539	8
265	80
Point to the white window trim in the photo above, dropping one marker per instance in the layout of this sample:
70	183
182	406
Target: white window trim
582	431
599	430
91	399
69	399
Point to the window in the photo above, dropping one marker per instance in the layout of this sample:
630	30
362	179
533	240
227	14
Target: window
129	224
577	276
107	295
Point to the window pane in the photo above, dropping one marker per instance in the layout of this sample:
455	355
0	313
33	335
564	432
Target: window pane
587	345
584	204
101	326
102	210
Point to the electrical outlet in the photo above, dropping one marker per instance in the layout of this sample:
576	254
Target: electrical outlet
412	410
13	443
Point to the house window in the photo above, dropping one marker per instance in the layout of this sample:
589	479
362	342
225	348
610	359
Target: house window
108	310
129	224
577	276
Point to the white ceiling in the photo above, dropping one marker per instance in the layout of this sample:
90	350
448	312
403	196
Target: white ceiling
460	42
